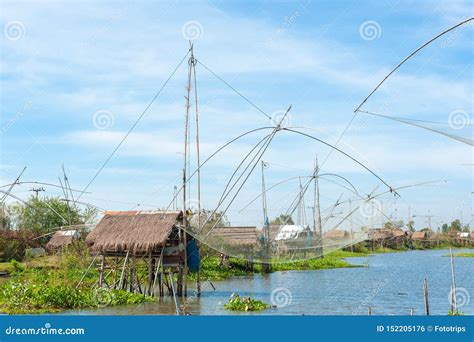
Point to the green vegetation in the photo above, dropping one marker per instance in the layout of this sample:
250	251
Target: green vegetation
212	270
31	223
282	219
237	303
46	285
462	255
331	260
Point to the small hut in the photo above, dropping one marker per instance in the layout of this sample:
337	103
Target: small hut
419	236
379	237
423	237
128	241
336	234
236	241
61	240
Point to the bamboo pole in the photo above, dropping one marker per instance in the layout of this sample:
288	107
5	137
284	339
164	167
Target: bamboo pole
174	293
425	295
123	271
87	271
101	275
454	306
150	273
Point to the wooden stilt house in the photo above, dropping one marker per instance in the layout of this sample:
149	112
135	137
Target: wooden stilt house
140	251
240	242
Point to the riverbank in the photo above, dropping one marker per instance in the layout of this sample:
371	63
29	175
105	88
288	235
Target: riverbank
462	255
49	284
212	270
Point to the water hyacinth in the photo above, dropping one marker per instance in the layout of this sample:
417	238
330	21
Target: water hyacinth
238	303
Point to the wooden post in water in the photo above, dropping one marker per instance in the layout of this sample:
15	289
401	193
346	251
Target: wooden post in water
369	311
454	304
425	294
411	311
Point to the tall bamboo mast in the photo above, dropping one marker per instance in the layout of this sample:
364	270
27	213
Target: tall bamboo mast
320	226
193	62
182	233
266	227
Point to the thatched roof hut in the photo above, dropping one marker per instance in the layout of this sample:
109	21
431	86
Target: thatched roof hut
236	237
379	234
398	233
336	234
61	239
139	232
421	235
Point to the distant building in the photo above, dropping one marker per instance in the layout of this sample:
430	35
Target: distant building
62	239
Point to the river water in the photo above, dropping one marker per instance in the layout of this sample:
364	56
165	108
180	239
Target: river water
391	284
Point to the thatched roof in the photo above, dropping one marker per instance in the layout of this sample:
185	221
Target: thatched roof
61	239
236	236
419	235
398	233
379	234
336	234
138	232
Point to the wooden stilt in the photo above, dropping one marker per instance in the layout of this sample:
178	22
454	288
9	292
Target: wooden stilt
121	283
174	293
87	270
150	274
101	275
132	274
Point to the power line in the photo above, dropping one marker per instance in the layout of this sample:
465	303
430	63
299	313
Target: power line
133	126
235	90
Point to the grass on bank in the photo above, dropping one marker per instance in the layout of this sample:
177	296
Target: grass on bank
462	255
47	284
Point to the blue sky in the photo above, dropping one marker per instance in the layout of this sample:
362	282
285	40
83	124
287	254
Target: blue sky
70	62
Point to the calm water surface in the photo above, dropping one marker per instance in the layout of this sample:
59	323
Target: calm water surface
391	284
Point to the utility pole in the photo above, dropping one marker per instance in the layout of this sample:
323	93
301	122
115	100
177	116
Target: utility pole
37	190
351	225
175	199
409	217
320	226
266	225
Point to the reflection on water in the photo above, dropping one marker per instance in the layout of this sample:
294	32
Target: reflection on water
391	285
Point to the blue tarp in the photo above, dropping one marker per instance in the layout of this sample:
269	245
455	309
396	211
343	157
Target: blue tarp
194	258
